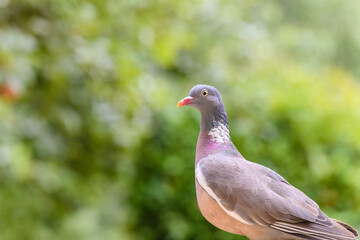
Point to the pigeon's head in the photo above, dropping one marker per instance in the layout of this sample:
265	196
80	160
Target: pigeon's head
205	98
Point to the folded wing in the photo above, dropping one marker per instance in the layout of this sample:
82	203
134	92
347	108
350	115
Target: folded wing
254	194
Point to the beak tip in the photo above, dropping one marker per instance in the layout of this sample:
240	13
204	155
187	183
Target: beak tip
185	101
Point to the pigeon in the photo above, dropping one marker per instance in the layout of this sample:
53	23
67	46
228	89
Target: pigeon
243	197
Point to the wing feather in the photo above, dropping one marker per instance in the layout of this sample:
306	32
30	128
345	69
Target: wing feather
254	194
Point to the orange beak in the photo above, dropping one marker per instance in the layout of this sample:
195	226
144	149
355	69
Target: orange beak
185	101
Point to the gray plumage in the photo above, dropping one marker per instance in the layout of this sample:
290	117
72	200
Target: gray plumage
261	196
248	192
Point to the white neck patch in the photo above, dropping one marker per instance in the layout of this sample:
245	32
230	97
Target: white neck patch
219	133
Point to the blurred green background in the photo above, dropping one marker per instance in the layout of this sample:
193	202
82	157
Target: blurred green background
92	145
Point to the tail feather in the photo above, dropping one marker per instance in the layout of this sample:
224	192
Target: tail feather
347	226
314	231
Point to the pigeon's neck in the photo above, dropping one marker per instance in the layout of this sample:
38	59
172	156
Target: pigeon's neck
217	128
214	136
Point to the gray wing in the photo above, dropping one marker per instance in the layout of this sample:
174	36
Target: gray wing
254	194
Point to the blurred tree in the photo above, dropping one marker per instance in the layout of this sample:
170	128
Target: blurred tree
93	147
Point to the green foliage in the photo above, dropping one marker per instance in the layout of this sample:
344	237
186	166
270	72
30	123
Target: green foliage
92	145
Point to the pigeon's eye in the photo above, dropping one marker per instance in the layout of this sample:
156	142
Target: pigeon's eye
204	93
